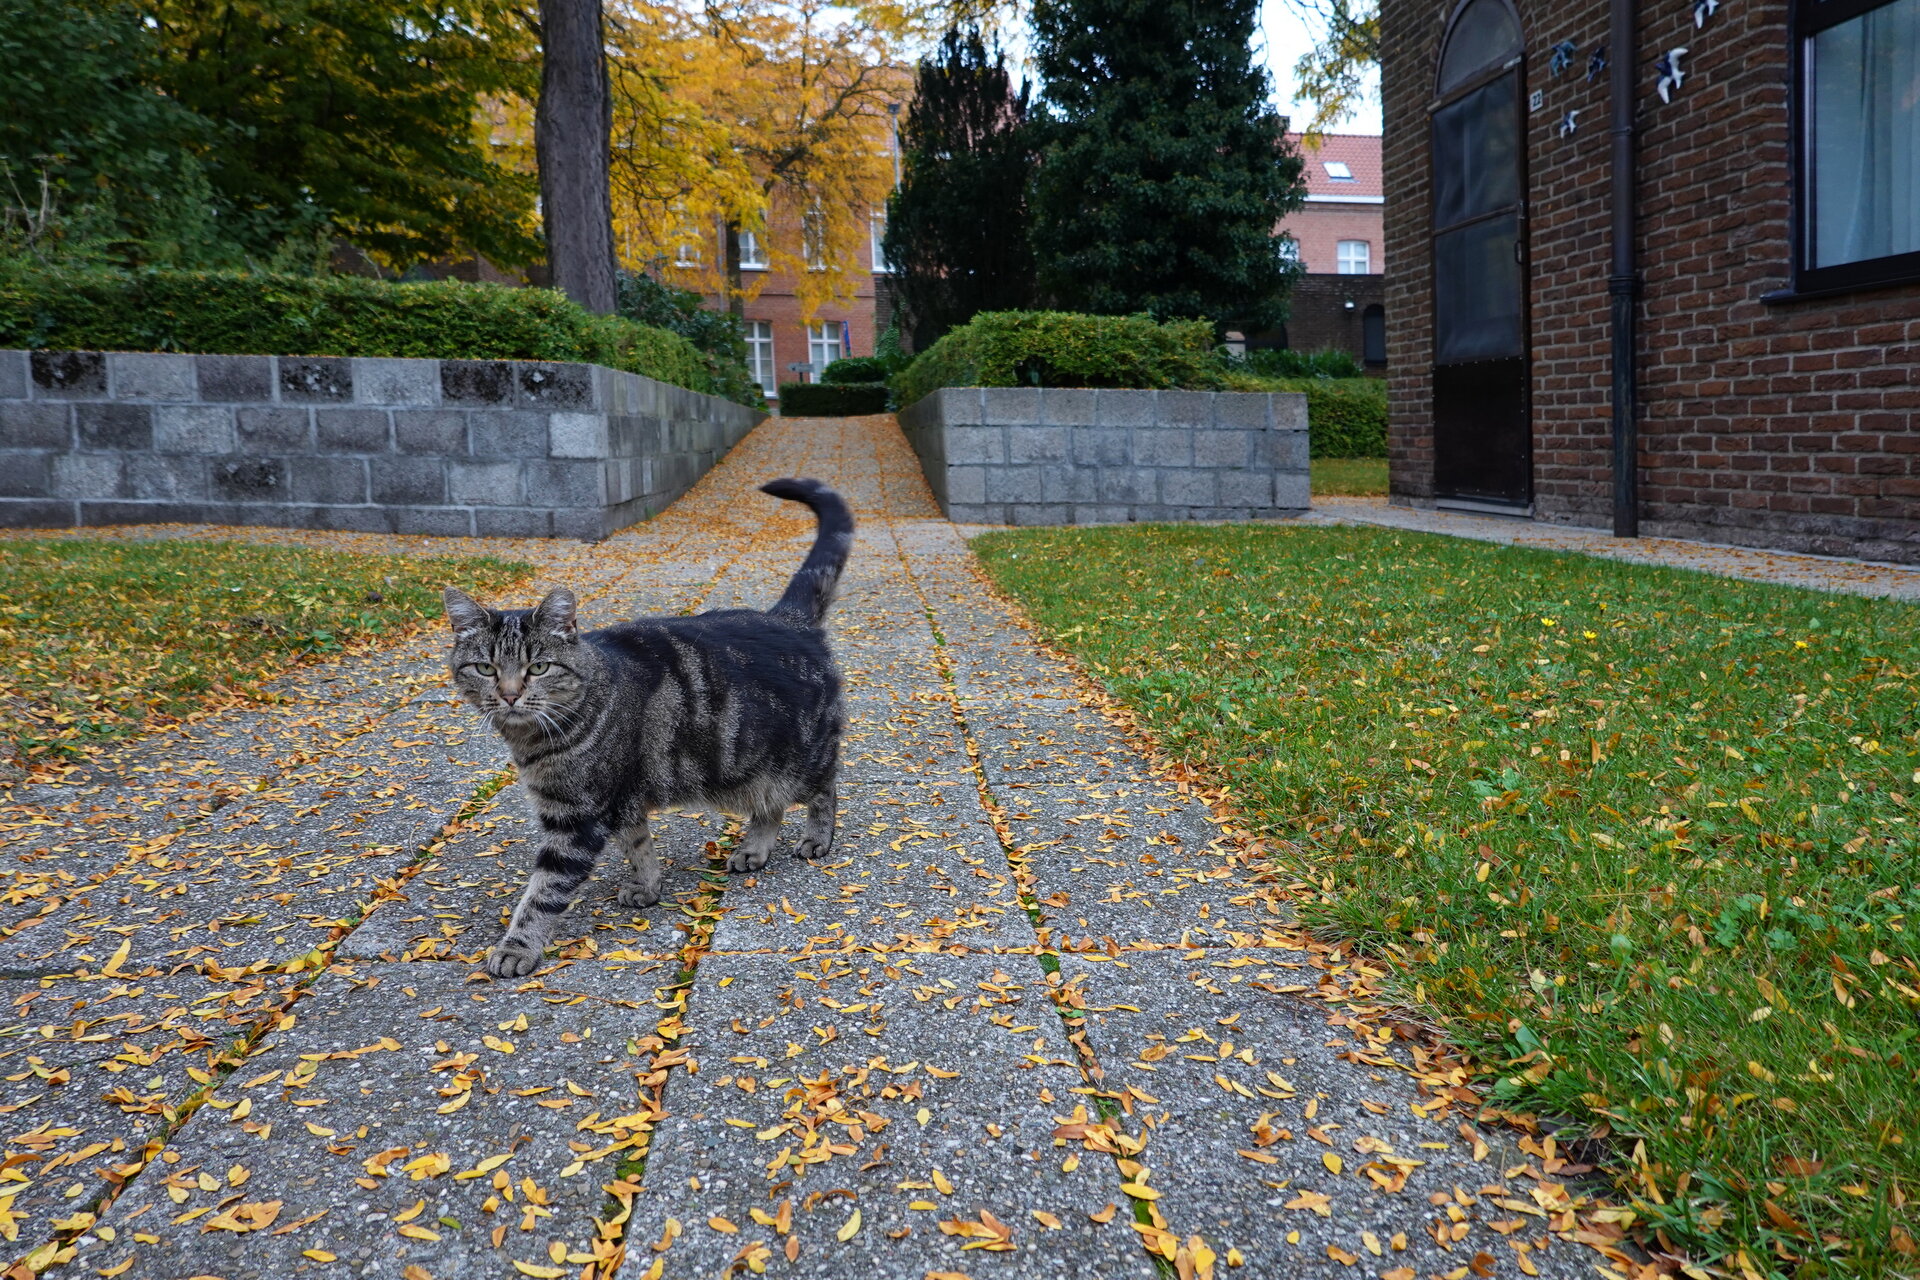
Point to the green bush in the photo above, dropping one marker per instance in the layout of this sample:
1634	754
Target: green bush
96	309
1346	417
1288	363
1063	349
719	335
831	399
856	369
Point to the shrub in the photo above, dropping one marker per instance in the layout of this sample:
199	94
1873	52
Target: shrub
96	309
1287	363
718	335
831	399
856	369
1063	349
1346	417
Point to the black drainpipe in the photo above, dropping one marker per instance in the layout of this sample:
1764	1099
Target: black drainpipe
1623	285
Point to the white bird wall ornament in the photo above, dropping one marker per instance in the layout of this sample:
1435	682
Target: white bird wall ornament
1569	122
1672	76
1702	10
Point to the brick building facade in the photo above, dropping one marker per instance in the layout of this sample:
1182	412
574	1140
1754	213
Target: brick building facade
1339	302
779	333
1777	361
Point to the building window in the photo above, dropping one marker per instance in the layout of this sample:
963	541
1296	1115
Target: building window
686	254
1289	248
760	352
1337	170
1354	258
826	342
1859	121
753	254
813	240
880	266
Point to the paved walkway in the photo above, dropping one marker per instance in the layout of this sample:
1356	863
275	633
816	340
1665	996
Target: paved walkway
1821	573
1040	1014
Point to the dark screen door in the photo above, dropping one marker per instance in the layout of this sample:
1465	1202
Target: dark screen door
1482	436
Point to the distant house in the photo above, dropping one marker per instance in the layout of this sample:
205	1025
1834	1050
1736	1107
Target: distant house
1721	289
1338	234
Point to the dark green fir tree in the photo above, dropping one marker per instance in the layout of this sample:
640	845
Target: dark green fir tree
1164	171
956	238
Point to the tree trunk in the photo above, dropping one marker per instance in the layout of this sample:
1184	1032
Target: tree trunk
571	130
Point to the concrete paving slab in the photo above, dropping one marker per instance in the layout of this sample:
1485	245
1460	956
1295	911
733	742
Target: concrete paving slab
340	1135
911	1089
915	867
456	906
1309	1146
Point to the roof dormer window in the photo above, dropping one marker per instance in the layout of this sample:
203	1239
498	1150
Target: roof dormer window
1337	170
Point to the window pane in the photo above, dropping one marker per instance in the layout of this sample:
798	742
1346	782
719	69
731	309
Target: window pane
1865	144
1476	153
1353	258
1485	36
1477	293
751	254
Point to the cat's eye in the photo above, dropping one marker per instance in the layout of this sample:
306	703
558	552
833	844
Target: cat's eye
484	668
539	668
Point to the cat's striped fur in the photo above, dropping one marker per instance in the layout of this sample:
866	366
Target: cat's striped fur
736	710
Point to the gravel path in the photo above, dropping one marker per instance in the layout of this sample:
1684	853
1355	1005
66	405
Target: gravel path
1041	1013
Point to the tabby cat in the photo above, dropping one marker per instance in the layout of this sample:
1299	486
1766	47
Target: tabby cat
736	710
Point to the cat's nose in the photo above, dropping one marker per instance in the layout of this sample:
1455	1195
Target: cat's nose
510	693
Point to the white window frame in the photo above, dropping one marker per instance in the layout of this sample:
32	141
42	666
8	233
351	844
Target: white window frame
878	222
825	344
753	255
760	356
813	240
1349	263
1338	170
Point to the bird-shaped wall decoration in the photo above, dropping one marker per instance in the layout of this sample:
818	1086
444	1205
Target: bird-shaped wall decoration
1563	56
1671	75
1569	122
1596	62
1702	10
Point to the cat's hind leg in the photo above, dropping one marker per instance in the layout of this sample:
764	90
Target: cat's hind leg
823	815
763	829
641	888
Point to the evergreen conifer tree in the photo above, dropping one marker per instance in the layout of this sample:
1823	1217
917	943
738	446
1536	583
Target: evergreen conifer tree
1164	170
956	238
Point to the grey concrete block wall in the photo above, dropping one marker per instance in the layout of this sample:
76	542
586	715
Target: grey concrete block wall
1046	455
488	447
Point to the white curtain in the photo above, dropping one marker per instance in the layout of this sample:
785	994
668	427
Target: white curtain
1866	136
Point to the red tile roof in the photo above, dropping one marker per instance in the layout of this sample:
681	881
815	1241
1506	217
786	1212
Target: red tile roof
1361	154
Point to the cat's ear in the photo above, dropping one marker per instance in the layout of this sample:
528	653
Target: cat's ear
555	616
464	612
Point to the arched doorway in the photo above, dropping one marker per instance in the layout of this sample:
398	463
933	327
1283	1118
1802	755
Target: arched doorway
1482	435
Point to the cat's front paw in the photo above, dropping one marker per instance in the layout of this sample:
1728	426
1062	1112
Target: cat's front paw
512	958
746	859
633	894
810	848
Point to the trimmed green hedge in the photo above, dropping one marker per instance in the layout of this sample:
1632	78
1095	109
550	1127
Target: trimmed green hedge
832	399
1064	349
95	309
1346	417
856	369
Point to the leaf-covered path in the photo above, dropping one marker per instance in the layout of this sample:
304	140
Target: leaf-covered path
1040	1012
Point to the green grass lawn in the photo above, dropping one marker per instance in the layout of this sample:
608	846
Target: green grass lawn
1349	477
97	636
1642	839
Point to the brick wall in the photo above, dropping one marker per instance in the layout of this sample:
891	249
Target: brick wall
1318	317
1787	425
1048	456
1321	227
454	447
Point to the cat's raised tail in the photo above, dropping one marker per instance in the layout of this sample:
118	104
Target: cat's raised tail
810	594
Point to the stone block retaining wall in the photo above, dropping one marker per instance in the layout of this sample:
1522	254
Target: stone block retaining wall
454	447
1037	456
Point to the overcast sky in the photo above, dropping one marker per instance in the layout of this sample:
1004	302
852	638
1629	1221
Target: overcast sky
1288	36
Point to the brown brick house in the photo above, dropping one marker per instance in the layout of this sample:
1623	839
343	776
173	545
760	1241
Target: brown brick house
1765	275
